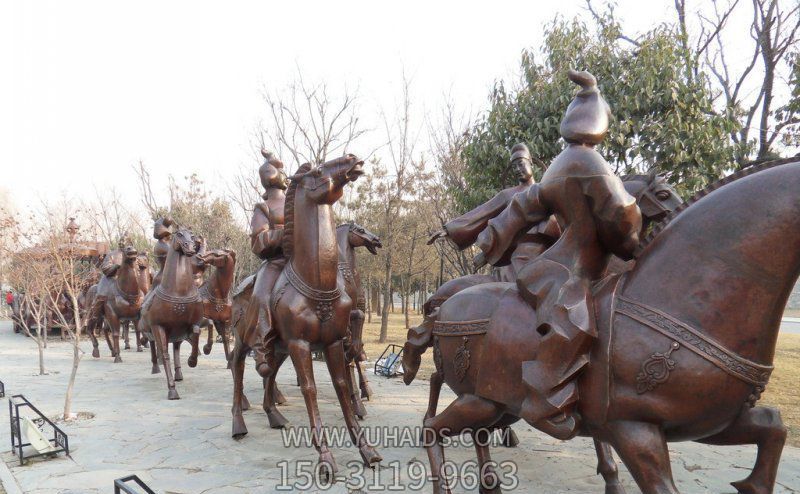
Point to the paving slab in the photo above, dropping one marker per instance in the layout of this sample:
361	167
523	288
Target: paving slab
184	446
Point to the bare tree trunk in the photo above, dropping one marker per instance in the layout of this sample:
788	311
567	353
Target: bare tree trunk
377	295
42	370
76	359
387	298
369	298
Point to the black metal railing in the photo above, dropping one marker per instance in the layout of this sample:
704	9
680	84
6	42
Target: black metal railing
60	439
388	365
121	485
2	390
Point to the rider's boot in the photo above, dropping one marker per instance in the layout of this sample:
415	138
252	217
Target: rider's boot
264	353
418	340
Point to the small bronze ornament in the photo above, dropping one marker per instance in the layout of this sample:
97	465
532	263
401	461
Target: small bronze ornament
656	369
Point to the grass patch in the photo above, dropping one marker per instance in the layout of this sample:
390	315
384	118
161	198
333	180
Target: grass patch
782	392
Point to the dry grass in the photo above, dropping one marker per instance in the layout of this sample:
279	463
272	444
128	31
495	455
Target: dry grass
783	391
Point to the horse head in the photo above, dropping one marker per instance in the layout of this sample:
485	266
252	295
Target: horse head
219	258
654	195
358	236
324	183
184	242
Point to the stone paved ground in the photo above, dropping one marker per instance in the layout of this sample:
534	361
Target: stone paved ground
185	446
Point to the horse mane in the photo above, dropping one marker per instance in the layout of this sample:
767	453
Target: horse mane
748	170
288	211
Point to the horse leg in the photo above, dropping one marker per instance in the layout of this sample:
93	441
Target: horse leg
337	367
607	467
154	359
176	351
300	352
363	382
162	345
490	482
107	334
195	341
210	340
352	389
137	334
643	449
764	427
276	419
126	334
222	330
237	362
433	400
114	322
468	411
90	329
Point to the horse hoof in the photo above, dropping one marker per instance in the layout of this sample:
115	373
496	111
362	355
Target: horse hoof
245	402
327	467
277	420
192	361
747	486
117	359
178	375
369	455
173	395
279	398
155	370
127	346
510	439
229	365
139	349
96	353
239	429
206	349
366	393
615	488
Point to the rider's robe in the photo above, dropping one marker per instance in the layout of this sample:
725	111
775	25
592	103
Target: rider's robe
598	218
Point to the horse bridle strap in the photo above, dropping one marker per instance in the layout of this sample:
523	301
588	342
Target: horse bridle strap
309	291
460	328
692	339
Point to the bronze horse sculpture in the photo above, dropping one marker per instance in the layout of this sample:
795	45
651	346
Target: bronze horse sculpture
682	355
173	310
349	237
215	293
123	300
145	283
311	307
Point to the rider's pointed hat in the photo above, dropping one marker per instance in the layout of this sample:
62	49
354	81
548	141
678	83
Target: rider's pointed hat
587	117
270	172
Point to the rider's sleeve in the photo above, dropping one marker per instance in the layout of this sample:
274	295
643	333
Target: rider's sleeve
265	242
618	218
465	229
525	210
110	264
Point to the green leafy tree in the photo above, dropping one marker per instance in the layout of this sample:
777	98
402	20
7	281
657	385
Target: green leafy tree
663	114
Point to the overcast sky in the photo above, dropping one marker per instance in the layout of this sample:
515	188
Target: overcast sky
89	88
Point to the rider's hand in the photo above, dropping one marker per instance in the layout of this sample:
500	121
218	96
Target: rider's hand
479	261
436	236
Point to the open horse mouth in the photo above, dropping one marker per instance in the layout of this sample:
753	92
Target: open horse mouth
356	171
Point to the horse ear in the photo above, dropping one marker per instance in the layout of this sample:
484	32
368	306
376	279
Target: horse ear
265	153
